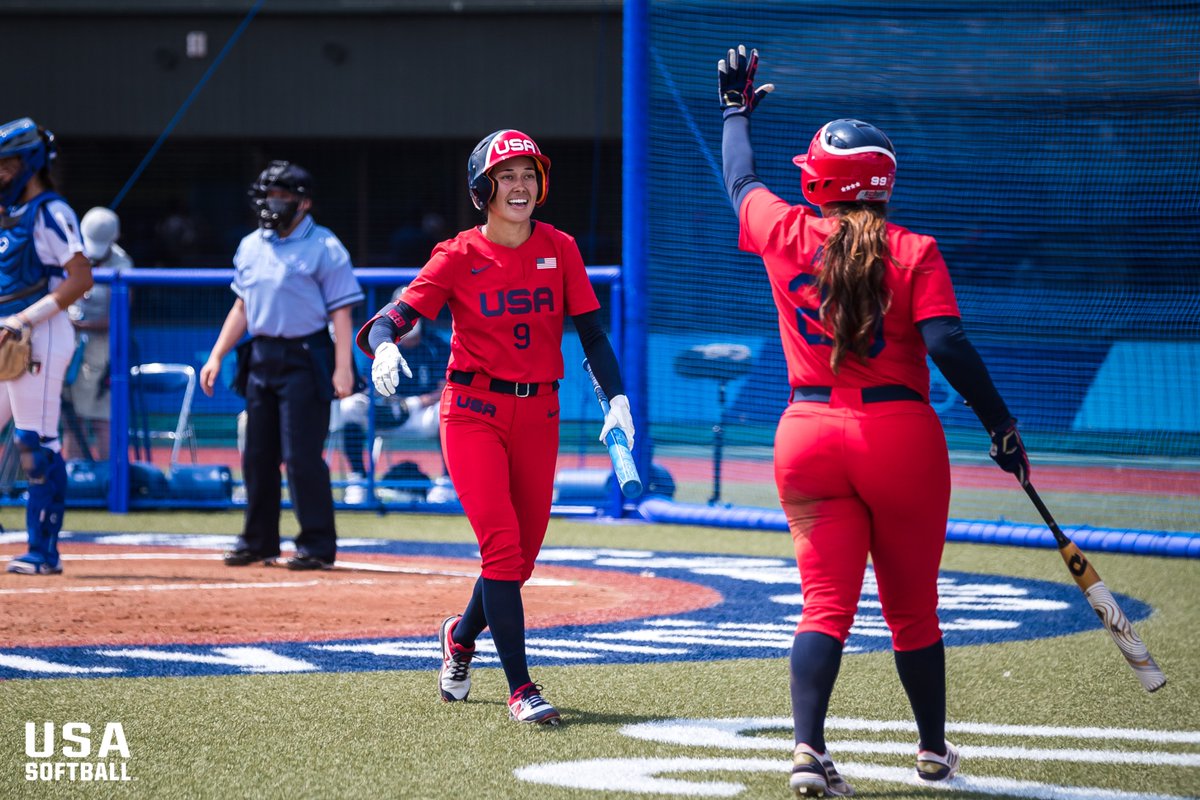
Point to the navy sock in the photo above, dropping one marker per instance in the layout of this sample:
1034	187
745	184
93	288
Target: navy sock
816	659
473	621
923	675
506	619
354	439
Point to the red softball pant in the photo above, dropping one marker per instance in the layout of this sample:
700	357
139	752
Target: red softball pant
501	451
857	479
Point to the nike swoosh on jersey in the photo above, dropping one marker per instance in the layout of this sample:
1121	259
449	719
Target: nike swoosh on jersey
477	270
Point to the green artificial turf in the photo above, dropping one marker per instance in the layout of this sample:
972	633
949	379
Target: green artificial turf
386	734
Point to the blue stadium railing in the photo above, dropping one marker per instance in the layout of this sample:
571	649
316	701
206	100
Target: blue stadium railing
378	284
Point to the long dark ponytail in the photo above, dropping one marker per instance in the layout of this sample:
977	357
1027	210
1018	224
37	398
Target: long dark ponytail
854	297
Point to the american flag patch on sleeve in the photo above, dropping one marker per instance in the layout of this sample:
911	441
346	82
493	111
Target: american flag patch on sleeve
547	263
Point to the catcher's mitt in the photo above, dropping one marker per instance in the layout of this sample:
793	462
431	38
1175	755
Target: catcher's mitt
16	353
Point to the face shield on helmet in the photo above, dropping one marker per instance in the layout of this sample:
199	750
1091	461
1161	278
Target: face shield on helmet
22	139
275	213
848	161
495	148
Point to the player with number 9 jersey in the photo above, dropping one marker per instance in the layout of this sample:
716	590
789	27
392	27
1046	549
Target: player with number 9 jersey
508	304
510	284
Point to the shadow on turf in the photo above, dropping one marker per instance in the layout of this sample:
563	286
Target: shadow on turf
573	717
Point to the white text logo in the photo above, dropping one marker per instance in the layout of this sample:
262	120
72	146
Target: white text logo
81	762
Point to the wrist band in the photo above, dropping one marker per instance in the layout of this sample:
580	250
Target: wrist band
40	311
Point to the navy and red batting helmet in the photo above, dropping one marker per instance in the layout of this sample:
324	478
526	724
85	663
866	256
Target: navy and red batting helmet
848	161
501	146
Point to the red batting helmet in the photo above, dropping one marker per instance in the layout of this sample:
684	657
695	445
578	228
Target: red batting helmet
501	146
848	161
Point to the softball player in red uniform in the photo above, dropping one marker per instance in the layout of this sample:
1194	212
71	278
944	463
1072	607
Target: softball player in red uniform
510	283
860	457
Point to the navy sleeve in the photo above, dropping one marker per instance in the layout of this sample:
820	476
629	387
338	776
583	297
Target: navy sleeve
959	361
737	159
385	328
599	352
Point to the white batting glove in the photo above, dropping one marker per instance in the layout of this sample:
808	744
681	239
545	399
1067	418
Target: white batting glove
618	416
385	372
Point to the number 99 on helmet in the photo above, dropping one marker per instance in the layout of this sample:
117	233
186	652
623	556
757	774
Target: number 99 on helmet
848	161
500	146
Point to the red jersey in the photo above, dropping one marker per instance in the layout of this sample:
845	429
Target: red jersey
508	304
789	239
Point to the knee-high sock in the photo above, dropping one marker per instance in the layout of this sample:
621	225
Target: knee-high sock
56	478
923	675
473	619
816	659
506	620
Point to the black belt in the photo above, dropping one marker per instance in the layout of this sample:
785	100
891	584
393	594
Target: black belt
504	387
870	394
319	338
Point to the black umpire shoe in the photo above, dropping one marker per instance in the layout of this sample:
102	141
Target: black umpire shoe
302	561
243	557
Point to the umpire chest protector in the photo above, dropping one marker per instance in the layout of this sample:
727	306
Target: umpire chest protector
24	279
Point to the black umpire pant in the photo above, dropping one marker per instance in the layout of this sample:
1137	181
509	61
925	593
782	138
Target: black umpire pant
288	392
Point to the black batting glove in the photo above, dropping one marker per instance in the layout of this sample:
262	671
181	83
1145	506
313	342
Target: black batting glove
1009	451
735	79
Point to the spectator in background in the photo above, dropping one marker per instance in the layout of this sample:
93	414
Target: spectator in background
86	402
179	236
411	413
293	277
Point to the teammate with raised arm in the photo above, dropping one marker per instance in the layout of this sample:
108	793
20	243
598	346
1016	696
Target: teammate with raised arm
861	462
42	271
510	283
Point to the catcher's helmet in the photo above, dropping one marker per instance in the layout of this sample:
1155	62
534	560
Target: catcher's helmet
848	161
21	138
501	146
279	175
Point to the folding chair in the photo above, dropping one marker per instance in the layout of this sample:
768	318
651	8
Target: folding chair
163	379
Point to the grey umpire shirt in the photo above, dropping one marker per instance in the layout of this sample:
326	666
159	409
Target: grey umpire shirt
291	285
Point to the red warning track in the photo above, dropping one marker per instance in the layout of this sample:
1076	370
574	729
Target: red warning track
155	595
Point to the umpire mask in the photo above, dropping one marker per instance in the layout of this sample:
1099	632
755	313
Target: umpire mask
278	212
275	213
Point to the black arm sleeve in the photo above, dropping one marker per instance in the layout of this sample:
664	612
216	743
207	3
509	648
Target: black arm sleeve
599	352
737	159
386	329
958	360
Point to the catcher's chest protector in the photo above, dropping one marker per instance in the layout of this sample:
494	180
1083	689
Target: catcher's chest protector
20	269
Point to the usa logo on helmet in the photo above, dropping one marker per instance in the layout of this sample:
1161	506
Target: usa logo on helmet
500	146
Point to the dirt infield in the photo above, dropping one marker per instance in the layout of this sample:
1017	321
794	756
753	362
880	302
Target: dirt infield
154	595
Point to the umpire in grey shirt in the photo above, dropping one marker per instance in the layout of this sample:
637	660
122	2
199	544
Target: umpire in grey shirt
293	278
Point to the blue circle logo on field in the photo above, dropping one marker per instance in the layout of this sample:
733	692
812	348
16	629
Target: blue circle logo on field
755	618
